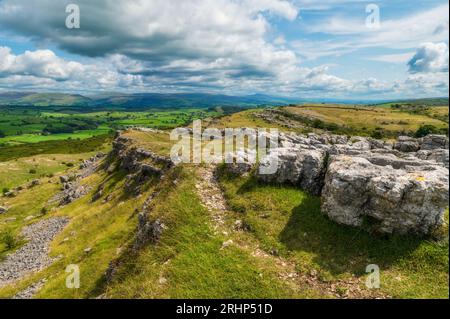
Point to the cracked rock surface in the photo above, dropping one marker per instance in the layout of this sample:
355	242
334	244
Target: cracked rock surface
399	187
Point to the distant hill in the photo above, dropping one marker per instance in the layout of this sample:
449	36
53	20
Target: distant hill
140	100
442	101
174	100
43	99
188	100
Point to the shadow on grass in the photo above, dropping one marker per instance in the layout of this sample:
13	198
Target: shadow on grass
340	248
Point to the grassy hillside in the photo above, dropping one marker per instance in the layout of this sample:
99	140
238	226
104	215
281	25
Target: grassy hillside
367	119
70	146
268	242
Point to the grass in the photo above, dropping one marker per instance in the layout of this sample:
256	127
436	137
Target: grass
36	138
19	171
72	146
28	125
27	203
190	259
364	120
289	220
158	142
242	119
105	227
188	256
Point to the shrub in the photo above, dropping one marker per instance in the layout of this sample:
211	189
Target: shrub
5	190
9	240
32	171
425	130
378	133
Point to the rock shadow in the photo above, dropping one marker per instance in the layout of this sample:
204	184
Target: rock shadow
341	248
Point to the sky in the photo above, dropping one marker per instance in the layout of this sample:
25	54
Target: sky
299	48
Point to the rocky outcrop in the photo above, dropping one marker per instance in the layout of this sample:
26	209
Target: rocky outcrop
72	191
140	164
304	168
405	199
407	144
71	187
434	142
239	163
400	187
148	232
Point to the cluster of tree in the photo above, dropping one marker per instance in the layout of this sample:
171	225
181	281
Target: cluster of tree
69	127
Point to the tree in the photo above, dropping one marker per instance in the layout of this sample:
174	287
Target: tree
2	134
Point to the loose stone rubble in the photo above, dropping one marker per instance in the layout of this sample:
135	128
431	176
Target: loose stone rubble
400	187
33	256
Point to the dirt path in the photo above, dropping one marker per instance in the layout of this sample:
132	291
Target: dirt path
33	256
212	198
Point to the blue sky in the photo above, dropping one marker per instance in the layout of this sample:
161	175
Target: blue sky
301	48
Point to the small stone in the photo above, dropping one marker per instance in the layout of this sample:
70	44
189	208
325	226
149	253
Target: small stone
274	252
35	182
240	225
226	244
3	210
29	218
88	250
313	273
11	194
162	281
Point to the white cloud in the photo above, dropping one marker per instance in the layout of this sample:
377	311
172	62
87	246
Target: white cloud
400	58
44	69
41	63
213	45
350	34
430	57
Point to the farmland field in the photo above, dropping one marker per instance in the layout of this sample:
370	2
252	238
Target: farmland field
31	126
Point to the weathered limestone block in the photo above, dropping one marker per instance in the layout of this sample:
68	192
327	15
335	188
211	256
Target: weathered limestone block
406	200
407	144
301	167
432	142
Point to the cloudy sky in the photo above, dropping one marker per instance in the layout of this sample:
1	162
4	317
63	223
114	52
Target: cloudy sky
302	48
